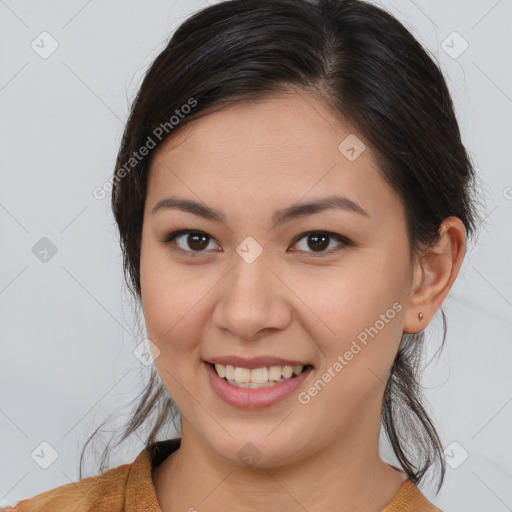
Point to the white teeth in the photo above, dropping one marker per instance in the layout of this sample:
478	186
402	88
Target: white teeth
287	371
257	377
229	371
274	373
253	385
221	370
297	369
242	374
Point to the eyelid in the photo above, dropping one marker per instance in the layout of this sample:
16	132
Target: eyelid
344	241
168	239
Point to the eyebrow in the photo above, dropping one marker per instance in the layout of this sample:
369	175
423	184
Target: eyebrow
280	216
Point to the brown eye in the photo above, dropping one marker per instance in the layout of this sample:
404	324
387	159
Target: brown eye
197	241
319	241
188	241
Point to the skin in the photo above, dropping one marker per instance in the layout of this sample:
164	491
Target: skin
247	161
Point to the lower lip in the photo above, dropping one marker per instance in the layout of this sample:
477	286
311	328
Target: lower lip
248	398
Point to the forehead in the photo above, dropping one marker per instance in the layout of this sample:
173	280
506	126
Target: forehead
286	125
275	150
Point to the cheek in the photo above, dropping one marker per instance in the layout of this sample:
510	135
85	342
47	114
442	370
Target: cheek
363	316
169	298
359	311
173	325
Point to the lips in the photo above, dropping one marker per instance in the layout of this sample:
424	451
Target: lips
250	398
255	362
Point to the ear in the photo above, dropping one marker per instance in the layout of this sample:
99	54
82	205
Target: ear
434	273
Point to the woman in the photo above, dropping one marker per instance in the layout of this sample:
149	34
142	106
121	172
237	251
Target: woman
294	201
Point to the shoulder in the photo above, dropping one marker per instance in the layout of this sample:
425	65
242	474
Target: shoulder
102	492
408	499
125	488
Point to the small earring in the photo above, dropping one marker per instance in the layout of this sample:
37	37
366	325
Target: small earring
420	315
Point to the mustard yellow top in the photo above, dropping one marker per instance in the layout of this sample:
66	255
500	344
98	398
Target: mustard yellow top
129	488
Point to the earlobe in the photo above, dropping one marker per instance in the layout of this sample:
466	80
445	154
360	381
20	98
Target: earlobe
434	274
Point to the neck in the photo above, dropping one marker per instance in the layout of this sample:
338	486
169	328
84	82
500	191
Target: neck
346	475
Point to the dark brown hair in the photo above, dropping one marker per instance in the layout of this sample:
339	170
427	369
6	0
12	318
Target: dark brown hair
370	70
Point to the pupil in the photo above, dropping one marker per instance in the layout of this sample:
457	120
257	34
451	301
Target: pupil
194	237
316	244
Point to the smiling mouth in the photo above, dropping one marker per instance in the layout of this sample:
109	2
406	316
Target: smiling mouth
258	377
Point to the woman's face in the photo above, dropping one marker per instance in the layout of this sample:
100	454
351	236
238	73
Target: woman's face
262	284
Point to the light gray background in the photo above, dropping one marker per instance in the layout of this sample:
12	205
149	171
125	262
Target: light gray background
66	324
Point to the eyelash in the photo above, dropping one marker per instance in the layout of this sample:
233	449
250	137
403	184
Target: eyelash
345	242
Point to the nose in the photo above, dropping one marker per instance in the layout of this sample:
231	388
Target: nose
253	301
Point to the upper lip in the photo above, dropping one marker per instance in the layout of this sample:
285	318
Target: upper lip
255	362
